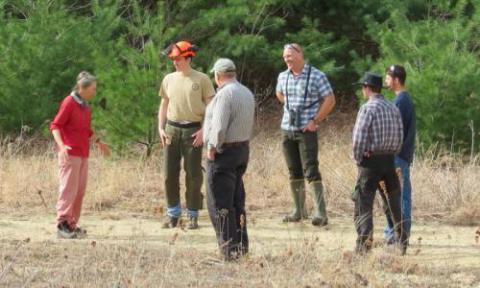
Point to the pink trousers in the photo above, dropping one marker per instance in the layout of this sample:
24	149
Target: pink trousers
73	183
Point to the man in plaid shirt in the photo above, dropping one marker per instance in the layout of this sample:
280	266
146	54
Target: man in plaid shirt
308	98
377	137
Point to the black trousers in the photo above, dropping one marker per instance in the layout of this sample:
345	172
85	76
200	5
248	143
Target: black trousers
370	172
226	199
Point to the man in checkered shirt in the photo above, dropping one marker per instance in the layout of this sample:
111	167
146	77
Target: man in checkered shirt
377	137
308	98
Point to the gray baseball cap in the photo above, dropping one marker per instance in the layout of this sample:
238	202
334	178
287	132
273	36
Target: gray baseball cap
223	65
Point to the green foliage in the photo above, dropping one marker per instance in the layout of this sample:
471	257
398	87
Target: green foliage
41	56
441	56
129	70
45	44
36	56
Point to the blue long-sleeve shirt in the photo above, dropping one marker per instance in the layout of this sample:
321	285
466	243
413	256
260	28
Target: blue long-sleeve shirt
407	110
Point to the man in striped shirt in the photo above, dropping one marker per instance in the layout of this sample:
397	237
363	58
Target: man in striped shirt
227	129
377	137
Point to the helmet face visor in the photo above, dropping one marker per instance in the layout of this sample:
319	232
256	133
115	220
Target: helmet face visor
180	49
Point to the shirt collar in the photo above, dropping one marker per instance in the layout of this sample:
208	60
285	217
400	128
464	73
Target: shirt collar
304	70
377	97
226	84
78	99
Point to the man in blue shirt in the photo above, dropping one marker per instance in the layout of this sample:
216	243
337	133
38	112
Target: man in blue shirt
395	80
308	98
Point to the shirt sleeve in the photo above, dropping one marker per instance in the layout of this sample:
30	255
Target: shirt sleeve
207	89
323	86
63	115
361	133
220	120
163	88
405	112
280	84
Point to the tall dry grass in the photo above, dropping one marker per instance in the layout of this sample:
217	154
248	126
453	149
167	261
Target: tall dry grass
443	187
305	259
283	256
141	265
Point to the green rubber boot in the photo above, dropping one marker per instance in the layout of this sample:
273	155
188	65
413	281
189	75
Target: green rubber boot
297	188
320	215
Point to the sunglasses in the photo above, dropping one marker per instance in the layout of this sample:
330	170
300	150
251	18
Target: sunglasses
291	46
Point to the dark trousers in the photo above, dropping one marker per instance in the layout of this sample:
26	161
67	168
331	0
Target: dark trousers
181	147
300	150
301	154
371	171
226	199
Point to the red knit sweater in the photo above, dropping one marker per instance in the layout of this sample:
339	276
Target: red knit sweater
73	122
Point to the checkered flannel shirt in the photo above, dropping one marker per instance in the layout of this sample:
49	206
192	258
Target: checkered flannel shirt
318	88
378	128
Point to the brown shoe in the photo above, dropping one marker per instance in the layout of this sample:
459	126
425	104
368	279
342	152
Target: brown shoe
170	222
193	223
291	218
319	221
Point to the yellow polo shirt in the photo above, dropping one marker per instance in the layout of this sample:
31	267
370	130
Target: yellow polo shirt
187	95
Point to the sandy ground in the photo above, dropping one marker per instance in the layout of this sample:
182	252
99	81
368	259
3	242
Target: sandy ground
434	246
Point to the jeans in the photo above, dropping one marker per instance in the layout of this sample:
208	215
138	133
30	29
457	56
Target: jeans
406	187
176	212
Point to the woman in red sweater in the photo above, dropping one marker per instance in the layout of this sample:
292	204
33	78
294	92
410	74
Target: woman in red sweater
71	130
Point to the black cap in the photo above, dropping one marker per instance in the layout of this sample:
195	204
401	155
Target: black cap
371	79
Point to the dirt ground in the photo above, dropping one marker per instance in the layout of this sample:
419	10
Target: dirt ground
129	250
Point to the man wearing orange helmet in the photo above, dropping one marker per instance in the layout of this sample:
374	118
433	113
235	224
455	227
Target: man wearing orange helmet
185	94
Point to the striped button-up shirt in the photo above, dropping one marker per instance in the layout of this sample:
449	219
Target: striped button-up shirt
229	116
293	88
378	128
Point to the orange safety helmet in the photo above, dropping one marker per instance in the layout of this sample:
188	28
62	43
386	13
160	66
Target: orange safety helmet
182	49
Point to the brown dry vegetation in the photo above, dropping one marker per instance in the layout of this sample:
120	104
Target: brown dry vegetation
127	248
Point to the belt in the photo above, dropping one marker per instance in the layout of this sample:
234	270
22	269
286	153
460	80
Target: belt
186	125
234	144
368	154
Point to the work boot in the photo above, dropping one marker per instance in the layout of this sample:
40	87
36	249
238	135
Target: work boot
193	223
64	231
320	214
297	188
319	221
170	222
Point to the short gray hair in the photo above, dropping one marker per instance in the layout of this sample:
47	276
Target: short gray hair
229	74
84	79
